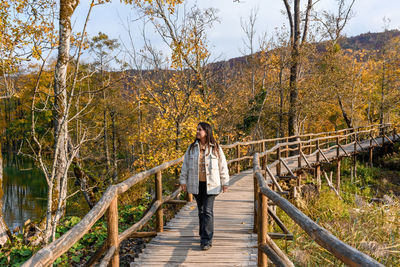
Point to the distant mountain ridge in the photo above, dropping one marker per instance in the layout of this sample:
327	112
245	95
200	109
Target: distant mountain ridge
366	41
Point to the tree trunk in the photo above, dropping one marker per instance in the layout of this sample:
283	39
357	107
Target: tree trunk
105	135
58	183
293	95
345	116
114	156
381	112
280	130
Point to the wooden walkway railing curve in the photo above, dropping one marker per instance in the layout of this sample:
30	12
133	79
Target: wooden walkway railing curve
344	144
240	155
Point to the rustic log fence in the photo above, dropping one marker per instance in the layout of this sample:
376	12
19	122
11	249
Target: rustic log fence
312	151
264	150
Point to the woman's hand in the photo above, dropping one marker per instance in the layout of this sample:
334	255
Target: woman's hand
224	188
183	187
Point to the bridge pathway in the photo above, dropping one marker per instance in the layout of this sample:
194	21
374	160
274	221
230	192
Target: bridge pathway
234	244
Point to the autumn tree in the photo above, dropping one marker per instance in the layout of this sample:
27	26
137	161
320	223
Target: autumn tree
103	47
298	37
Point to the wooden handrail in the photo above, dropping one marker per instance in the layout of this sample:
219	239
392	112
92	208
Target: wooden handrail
339	249
52	251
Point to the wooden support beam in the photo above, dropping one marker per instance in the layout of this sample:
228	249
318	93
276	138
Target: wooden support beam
262	228
318	176
371	153
347	154
159	213
339	249
109	256
373	139
287	167
323	155
278	221
338	147
283	193
237	156
317	149
278	251
272	176
299	158
176	201
275	259
112	229
306	160
390	141
358	143
338	163
280	236
255	213
143	234
287	148
278	165
331	185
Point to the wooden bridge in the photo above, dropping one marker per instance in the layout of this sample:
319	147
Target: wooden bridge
241	214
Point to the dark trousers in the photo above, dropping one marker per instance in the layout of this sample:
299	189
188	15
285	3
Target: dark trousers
205	205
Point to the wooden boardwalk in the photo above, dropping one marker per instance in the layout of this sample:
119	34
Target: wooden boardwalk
234	244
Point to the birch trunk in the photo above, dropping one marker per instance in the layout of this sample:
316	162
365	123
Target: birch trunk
58	183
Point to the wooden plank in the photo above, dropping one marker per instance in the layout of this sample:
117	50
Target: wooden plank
234	244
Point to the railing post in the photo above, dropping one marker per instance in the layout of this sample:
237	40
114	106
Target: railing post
112	229
237	156
355	142
264	158
355	156
371	148
317	148
265	162
256	192
159	213
287	148
262	228
337	148
278	157
299	158
383	135
338	165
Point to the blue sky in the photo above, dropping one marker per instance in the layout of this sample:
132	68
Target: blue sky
226	37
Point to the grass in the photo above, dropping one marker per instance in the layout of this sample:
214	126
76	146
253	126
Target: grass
372	228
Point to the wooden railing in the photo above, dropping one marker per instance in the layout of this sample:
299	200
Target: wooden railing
305	147
240	157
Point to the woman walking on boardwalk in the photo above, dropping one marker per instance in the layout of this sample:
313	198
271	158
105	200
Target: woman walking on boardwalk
204	174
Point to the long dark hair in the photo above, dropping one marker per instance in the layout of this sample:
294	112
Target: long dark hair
209	138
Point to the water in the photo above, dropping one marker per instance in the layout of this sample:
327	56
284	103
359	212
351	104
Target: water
25	192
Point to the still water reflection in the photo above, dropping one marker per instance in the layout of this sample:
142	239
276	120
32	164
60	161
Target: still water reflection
25	192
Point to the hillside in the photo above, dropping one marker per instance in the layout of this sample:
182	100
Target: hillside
366	41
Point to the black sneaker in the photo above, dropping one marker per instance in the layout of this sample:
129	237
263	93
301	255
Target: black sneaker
206	246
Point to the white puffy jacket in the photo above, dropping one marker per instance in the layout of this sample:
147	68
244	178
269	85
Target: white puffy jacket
217	173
